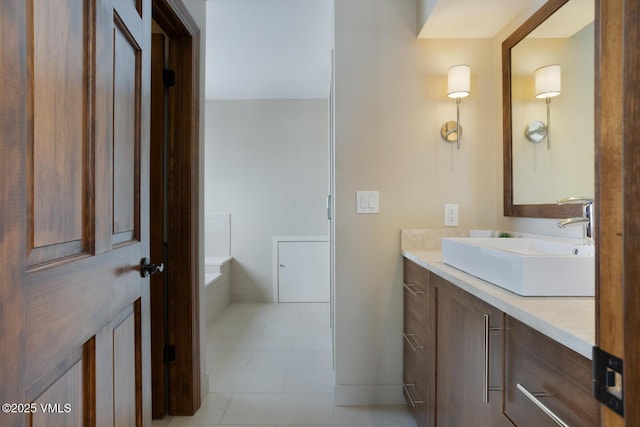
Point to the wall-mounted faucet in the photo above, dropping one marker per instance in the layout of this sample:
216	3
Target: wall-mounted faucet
587	218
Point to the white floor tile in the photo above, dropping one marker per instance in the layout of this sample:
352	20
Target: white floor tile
210	413
312	343
300	360
396	415
256	344
228	359
213	343
246	425
340	425
270	365
247	380
223	330
298	307
275	317
309	382
279	409
296	330
164	422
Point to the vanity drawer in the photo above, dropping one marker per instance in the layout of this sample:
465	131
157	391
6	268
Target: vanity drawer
416	393
417	309
416	350
541	370
416	275
417	293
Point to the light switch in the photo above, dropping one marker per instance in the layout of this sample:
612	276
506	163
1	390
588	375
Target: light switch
362	203
367	202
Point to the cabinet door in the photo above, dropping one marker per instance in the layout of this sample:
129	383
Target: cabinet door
469	346
303	271
540	371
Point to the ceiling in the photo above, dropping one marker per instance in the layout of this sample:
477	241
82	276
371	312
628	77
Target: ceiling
281	49
471	18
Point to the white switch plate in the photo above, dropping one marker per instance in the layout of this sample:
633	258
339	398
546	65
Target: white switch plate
450	215
367	202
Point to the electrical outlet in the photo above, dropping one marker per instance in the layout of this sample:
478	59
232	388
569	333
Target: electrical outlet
450	215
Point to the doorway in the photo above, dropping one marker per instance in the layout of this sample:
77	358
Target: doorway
175	330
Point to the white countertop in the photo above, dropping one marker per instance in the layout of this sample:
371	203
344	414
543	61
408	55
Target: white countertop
571	321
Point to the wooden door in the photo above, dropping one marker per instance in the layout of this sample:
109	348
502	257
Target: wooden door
74	325
469	355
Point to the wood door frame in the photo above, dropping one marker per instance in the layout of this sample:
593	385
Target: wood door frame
618	196
183	203
631	206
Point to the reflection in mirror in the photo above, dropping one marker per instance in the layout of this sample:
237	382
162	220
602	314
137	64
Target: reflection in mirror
540	174
536	131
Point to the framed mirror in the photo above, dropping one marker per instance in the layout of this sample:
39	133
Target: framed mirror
549	141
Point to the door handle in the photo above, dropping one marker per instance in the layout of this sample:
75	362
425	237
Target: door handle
147	269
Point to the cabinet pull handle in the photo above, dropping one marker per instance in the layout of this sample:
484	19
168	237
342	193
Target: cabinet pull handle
541	405
487	360
410	287
413	346
485	391
412	401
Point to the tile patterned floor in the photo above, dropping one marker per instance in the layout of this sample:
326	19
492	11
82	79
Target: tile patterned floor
270	365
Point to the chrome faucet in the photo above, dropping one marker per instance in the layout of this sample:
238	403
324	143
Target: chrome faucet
587	218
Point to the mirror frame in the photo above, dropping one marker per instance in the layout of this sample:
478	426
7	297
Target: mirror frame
511	210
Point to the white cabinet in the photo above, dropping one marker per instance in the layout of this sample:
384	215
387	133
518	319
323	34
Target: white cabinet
301	269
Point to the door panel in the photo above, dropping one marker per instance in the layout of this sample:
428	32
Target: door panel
61	404
75	306
124	371
56	161
126	125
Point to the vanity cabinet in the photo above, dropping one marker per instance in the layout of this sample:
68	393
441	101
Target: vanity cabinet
453	349
469	352
544	379
418	373
466	363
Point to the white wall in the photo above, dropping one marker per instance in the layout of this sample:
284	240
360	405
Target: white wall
267	165
390	104
197	9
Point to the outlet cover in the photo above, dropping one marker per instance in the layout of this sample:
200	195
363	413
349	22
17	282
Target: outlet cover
450	215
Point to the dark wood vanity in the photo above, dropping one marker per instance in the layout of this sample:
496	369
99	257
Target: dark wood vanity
466	363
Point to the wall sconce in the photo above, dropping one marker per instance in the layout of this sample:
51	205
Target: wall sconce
547	86
458	85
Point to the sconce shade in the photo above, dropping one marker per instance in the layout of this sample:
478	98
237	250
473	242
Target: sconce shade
547	81
459	81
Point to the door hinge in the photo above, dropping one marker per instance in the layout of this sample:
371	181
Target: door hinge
169	354
168	77
608	380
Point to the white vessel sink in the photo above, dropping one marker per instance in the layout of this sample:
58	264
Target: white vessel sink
526	266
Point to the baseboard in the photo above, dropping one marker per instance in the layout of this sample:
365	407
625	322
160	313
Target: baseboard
374	394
